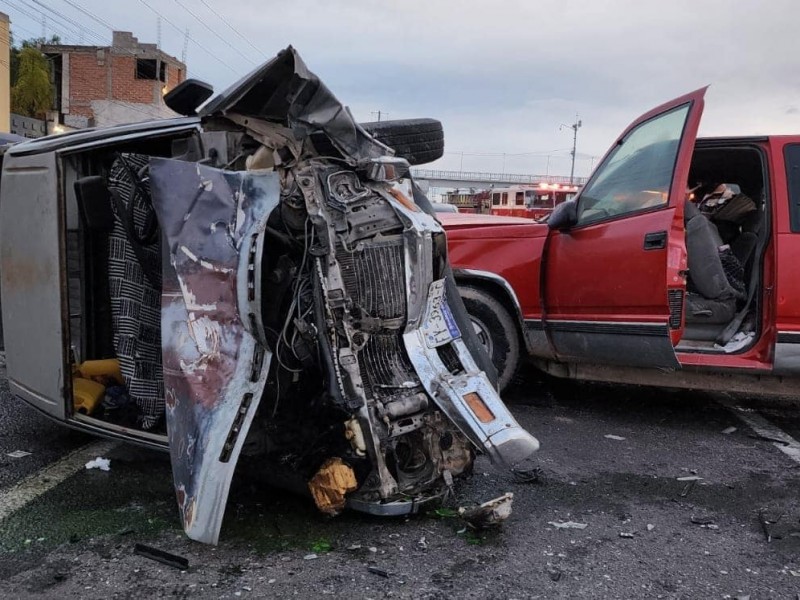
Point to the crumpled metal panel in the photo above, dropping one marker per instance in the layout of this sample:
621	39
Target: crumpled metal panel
283	90
214	368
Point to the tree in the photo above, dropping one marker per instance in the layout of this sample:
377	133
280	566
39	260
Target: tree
32	94
32	43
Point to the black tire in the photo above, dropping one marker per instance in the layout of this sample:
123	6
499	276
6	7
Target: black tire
495	325
419	141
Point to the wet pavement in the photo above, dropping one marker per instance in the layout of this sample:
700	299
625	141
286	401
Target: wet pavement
647	534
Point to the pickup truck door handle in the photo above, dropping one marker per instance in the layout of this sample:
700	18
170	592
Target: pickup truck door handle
655	240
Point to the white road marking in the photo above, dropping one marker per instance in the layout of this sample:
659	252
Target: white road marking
785	443
36	484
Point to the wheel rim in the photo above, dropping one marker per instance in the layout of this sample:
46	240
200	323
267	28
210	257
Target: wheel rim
482	332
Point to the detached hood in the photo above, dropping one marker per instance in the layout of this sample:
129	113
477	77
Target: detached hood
285	92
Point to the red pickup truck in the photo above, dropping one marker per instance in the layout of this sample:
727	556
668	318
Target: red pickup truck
673	267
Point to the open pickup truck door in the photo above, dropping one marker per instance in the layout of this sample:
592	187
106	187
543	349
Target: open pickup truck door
625	245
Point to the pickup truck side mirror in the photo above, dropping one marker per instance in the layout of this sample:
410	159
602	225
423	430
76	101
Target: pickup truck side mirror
187	96
564	216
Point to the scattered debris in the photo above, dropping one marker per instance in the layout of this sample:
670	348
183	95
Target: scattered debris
626	534
555	574
611	436
702	520
321	545
422	543
354	547
568	525
165	558
445	513
766	522
311	556
377	571
104	464
690	480
794	573
767	438
527	475
728	430
705	522
650	527
330	484
488	514
18	454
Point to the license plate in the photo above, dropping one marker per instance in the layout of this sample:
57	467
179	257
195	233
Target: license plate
439	327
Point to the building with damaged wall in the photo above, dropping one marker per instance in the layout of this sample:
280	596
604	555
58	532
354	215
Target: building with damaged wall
98	86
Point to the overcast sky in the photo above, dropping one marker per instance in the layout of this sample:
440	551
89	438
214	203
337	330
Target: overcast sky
502	75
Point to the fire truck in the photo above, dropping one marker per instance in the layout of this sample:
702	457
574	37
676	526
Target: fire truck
531	201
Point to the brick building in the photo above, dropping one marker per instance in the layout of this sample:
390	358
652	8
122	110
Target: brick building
97	86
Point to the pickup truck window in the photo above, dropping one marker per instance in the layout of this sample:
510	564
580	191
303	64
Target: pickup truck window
637	173
791	156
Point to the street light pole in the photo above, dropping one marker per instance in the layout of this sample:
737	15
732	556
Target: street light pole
575	126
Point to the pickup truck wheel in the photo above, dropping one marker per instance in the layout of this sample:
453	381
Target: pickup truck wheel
496	330
419	141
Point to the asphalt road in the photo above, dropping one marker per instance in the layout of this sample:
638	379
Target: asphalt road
24	429
646	534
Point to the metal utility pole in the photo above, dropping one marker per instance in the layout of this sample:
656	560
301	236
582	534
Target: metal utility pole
185	48
379	113
575	126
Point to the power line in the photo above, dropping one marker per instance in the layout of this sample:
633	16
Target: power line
63	28
204	24
178	29
233	29
82	78
93	35
95	18
15	27
65	18
111	27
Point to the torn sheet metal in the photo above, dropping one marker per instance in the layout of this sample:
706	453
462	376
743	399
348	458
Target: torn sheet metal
488	514
283	90
214	368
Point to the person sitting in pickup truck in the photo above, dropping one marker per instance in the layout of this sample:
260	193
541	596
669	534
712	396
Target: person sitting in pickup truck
716	277
729	209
